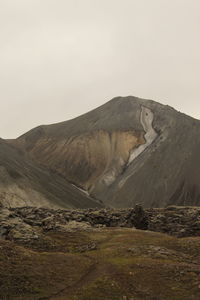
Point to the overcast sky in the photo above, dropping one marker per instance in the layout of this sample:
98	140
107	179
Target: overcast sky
61	58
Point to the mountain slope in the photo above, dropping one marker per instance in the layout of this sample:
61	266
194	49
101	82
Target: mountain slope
23	183
128	150
89	149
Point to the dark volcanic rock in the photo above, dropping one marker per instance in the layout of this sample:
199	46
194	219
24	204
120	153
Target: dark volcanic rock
178	221
26	224
138	217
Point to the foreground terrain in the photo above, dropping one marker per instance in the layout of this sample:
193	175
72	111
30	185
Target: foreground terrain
105	264
46	254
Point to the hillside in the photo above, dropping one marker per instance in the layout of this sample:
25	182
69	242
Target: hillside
23	183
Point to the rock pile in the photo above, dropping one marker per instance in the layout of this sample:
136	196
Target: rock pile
28	223
175	220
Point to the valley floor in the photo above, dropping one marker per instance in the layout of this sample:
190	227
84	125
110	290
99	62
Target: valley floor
105	263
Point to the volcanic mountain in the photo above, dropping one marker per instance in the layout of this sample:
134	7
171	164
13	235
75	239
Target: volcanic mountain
127	151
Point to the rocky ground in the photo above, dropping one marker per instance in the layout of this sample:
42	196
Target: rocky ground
28	223
100	254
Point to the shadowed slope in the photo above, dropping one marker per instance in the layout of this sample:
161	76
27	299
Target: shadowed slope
23	182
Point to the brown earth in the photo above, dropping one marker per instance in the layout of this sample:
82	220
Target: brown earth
89	157
126	264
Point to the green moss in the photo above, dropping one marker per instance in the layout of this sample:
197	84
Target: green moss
110	272
101	287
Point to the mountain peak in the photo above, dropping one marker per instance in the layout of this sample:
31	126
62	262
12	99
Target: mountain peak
128	150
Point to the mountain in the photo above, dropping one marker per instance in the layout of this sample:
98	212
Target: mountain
26	183
128	150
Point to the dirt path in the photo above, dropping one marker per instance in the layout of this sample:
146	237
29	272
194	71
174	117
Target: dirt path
95	270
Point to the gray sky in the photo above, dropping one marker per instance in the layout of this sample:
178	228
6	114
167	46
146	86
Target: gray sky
61	58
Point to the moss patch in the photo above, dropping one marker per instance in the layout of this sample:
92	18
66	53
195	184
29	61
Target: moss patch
126	264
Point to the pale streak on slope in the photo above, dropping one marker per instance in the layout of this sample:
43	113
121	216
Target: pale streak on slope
146	119
80	189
